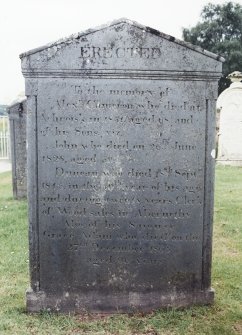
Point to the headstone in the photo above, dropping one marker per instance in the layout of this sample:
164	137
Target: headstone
17	118
121	128
229	106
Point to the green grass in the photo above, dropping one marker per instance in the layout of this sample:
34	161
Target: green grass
223	318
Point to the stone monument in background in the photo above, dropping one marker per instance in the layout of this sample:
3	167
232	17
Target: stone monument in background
229	107
121	136
17	118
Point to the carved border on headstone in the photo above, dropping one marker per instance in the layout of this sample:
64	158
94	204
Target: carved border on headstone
123	74
208	193
32	163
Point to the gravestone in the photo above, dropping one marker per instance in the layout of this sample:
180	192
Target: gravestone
121	130
229	106
17	118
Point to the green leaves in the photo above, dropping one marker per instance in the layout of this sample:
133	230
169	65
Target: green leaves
220	31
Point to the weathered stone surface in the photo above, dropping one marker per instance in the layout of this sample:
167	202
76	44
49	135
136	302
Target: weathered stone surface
17	118
229	105
121	126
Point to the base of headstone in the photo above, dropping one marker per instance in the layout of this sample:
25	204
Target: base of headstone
94	302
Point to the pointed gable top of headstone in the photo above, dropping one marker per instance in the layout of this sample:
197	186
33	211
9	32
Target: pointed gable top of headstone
120	44
127	22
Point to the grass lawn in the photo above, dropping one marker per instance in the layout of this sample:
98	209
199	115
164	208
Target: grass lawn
223	318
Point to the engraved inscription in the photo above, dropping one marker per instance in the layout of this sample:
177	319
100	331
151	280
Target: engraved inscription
124	183
129	52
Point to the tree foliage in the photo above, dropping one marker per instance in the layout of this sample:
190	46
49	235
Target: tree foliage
220	31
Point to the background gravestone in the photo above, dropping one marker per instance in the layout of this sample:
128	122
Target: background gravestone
121	127
17	118
229	105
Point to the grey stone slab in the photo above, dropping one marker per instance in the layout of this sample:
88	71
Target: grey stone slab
17	118
121	127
